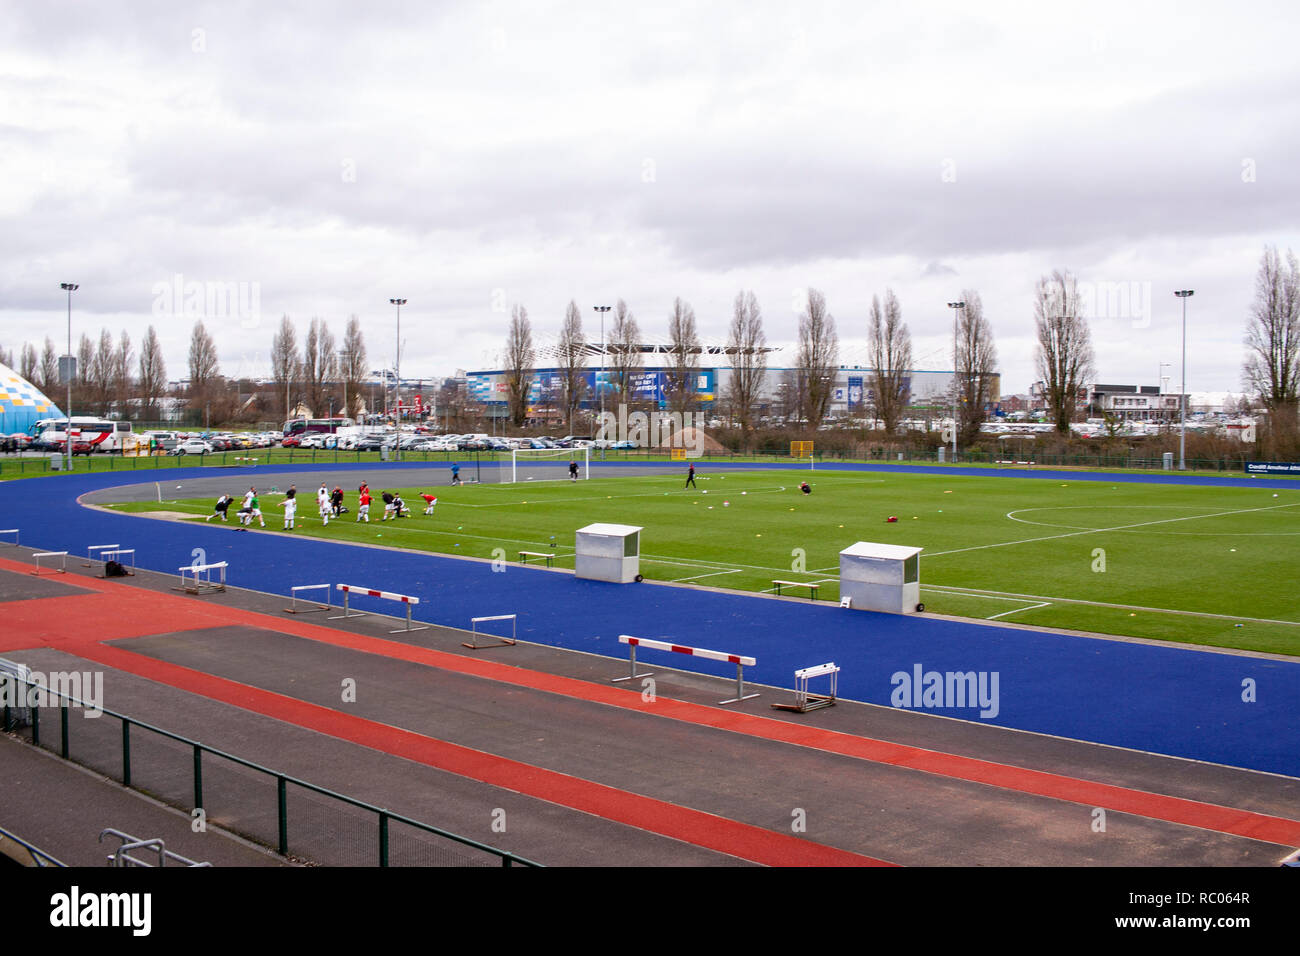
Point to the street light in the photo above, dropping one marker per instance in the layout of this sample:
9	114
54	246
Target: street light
397	406
69	287
958	306
1182	399
602	309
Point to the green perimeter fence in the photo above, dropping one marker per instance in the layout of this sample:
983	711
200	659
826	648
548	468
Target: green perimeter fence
274	809
17	466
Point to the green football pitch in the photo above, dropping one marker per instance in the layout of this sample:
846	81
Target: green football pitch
1202	565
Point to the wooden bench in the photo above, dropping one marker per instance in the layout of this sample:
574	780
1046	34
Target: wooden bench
548	555
812	588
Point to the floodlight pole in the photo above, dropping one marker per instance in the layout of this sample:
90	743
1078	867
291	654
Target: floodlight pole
1160	382
1182	399
69	287
602	309
397	405
958	306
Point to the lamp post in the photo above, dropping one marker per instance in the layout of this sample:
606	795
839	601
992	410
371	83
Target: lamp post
958	306
602	309
69	287
397	405
1182	399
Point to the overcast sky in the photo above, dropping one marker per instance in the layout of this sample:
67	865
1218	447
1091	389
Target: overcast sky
329	156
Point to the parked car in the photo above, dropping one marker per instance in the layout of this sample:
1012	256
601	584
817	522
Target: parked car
191	446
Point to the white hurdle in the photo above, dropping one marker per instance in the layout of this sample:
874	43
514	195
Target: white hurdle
803	700
51	554
293	599
90	558
474	622
12	531
406	599
117	555
202	573
741	662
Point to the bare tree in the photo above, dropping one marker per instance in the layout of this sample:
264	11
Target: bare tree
818	356
7	357
352	365
1065	357
319	365
153	376
889	348
1272	366
976	366
572	351
100	378
285	364
82	395
29	364
747	348
684	349
123	356
624	349
204	371
520	357
49	367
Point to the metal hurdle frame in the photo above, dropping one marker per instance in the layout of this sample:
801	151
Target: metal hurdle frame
105	555
741	662
90	558
406	599
12	531
500	641
51	554
207	586
805	701
293	599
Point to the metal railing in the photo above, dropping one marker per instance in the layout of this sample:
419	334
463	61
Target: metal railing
24	853
244	797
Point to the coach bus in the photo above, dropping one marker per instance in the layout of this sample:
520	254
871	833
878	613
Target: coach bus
101	434
301	427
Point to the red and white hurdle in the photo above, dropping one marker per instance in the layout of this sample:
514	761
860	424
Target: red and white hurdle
349	589
741	662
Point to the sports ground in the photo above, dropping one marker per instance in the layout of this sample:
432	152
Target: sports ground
1101	700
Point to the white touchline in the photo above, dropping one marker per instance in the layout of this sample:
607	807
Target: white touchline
1124	527
975	592
1017	610
709	575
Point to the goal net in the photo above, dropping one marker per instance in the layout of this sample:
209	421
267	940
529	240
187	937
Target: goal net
547	464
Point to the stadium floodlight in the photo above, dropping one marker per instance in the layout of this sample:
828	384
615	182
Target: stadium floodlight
958	306
397	385
1182	399
600	393
69	287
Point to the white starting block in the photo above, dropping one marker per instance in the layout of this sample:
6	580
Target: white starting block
805	701
63	565
116	555
293	599
201	578
474	622
12	531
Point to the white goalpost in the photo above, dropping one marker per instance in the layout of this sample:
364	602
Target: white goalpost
554	460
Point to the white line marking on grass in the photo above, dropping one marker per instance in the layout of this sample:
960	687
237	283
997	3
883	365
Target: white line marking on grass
1017	610
1125	527
709	575
976	592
